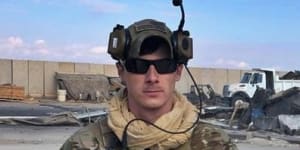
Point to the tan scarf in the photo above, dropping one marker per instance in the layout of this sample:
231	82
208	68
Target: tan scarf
140	135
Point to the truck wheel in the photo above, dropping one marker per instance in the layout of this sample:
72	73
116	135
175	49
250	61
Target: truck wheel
236	98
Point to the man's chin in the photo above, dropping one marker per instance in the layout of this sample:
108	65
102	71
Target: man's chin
153	104
153	95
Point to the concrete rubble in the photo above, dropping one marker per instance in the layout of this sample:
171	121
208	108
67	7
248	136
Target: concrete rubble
264	116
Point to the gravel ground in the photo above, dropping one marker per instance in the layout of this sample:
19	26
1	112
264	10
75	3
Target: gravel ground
34	137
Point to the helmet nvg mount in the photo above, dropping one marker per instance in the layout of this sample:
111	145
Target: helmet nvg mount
128	41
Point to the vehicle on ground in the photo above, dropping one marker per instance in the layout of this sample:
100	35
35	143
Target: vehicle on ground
264	78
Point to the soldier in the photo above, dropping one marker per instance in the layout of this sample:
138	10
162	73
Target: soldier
149	62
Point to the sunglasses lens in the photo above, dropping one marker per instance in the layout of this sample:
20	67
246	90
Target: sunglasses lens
165	66
136	66
140	66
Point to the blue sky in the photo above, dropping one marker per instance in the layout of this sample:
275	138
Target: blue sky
239	34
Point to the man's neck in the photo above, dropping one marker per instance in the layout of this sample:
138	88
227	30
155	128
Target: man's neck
150	115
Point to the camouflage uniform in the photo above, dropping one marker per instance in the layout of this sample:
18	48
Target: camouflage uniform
98	136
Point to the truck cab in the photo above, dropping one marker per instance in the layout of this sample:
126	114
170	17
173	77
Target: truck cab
245	89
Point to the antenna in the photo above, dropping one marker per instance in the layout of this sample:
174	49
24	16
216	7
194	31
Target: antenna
179	3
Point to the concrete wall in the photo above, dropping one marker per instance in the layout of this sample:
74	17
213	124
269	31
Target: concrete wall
217	78
20	74
97	68
50	69
82	68
233	76
38	77
66	67
5	71
110	70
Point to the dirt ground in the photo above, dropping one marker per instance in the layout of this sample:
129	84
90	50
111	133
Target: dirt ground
33	137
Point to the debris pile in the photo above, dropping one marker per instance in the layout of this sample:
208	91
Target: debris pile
278	113
94	87
265	115
207	94
291	75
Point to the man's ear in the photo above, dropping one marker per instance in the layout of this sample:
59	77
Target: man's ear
121	71
178	72
119	67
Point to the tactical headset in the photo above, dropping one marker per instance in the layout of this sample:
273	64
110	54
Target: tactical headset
126	43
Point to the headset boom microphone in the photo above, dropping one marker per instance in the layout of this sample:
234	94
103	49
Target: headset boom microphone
179	3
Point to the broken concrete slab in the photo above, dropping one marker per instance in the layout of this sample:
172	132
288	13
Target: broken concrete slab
289	124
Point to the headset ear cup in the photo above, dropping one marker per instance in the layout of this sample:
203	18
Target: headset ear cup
183	46
117	42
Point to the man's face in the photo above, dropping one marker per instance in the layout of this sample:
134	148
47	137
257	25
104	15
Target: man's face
151	90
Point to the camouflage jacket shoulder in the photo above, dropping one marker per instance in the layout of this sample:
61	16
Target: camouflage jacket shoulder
208	137
95	136
98	136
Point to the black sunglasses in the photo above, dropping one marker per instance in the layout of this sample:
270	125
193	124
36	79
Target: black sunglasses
141	66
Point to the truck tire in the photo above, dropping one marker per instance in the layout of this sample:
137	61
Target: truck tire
236	98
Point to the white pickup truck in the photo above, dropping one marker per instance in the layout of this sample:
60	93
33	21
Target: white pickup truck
263	78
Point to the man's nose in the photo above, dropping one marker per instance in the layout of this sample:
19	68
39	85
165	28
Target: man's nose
152	74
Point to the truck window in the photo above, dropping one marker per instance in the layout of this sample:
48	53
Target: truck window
246	78
257	78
